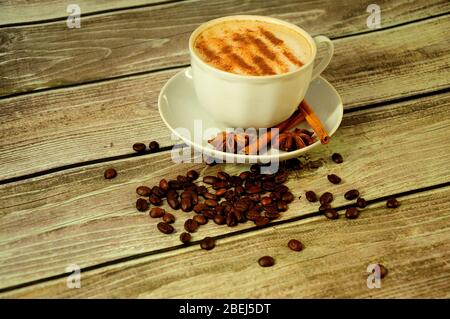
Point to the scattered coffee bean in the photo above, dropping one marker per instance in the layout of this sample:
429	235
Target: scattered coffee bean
164	185
192	175
141	205
231	220
219	219
223	176
211	203
153	146
139	147
326	198
186	204
352	213
220	184
173	202
210	179
157	191
334	179
185	238
221	192
282	206
190	225
208	213
110	173
337	158
266	200
287	197
266	261
324	207
168	218
331	213
392	203
361	202
143	191
261	221
157	212
200	219
155	200
295	245
311	196
165	228
351	194
208	243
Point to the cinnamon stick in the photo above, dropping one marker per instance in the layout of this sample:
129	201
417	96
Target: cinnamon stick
314	122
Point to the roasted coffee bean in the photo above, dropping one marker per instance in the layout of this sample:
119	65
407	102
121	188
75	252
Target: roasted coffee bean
219	219
110	173
211	196
208	243
208	213
324	207
337	158
267	177
239	190
175	185
183	179
352	213
294	164
210	179
153	146
326	198
383	271
190	225
220	184
186	204
311	196
143	191
295	245
231	220
282	206
280	178
241	205
252	215
240	216
155	200
223	176
235	181
168	218
351	194
255	168
192	175
165	228
269	186
185	237
220	192
361	202
252	189
334	179
272	208
331	213
244	175
219	209
141	205
271	215
200	219
255	197
194	199
164	185
201	189
173	202
186	194
157	191
287	197
261	221
199	207
392	203
266	200
211	203
266	261
157	212
139	147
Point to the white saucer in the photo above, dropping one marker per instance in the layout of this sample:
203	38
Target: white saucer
179	109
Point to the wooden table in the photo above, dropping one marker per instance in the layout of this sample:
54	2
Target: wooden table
73	101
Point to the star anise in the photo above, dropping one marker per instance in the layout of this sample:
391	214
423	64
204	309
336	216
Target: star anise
232	142
294	140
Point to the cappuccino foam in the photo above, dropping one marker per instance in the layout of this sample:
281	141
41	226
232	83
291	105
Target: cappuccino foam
252	47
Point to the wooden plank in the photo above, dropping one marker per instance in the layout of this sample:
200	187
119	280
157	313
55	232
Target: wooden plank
77	216
120	43
39	131
15	12
413	242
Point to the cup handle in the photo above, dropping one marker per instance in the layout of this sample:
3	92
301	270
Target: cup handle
325	60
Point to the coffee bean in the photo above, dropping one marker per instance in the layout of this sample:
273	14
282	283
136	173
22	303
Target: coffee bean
175	185
192	175
331	213
211	203
311	196
294	164
199	207
110	173
252	189
252	215
185	238
186	204
326	198
211	196
266	261
139	147
164	185
269	186
261	221
141	205
157	191
272	215
165	228
337	158
392	203
210	179
220	184
219	219
183	179
208	243
168	218
287	197
186	194
155	200
282	206
295	245
352	213
351	194
280	178
383	271
143	191
334	179
153	146
190	225
157	212
244	175
255	168
190	186
219	209
235	181
221	192
200	219
223	176
231	220
361	202
173	202
201	189
208	213
266	200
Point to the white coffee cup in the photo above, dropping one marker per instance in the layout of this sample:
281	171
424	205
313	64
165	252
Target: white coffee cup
243	101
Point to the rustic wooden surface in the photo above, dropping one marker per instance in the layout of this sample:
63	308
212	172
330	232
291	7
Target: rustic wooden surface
56	209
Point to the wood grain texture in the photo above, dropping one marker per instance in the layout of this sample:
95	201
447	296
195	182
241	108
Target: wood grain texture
40	131
413	242
14	12
78	217
121	43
